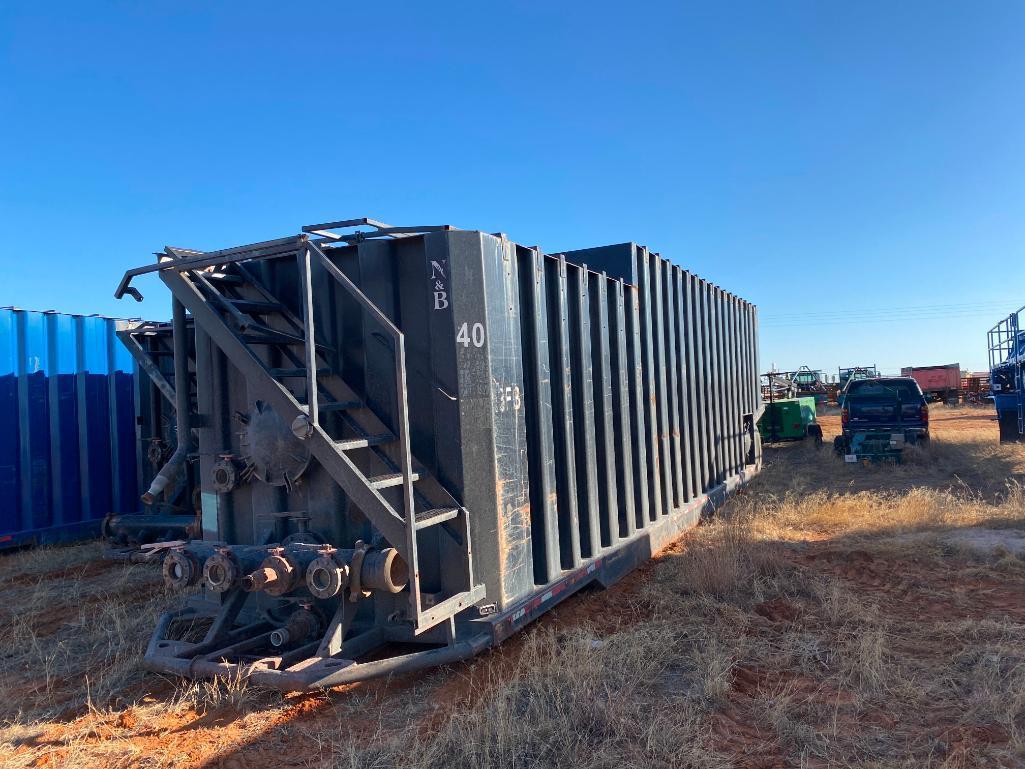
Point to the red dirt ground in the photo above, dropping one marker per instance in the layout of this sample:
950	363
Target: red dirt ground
274	732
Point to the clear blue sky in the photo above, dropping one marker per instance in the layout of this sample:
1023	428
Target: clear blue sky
828	161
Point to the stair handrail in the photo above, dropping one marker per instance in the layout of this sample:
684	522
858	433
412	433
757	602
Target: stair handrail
173	258
399	342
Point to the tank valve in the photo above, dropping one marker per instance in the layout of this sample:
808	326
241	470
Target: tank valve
276	576
181	569
221	571
326	577
361	570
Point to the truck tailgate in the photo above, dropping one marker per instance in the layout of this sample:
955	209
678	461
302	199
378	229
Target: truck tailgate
872	412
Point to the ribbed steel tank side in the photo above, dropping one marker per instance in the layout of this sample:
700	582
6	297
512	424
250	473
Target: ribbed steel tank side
639	399
70	453
640	406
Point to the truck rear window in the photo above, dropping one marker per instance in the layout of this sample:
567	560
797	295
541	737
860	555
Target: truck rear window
881	388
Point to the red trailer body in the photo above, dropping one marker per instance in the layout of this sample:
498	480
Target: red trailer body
938	380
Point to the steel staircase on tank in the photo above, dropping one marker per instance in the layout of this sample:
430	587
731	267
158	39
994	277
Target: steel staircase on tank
280	358
148	340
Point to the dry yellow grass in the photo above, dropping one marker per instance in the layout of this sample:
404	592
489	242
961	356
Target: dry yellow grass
831	616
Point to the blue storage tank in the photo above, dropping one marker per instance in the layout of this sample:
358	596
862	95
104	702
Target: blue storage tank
69	451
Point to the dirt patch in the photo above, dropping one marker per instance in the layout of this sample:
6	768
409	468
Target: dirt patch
78	571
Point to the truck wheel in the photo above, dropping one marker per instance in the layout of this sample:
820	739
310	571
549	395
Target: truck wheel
839	445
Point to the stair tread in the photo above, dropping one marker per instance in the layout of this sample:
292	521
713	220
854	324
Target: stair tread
252	305
256	328
224	277
256	334
275	338
450	606
435	515
335	405
295	372
348	444
389	480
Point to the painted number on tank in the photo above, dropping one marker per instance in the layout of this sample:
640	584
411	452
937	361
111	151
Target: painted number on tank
509	396
471	335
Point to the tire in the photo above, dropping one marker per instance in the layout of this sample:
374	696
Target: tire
919	440
839	445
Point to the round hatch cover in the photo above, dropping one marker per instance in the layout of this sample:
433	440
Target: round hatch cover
271	451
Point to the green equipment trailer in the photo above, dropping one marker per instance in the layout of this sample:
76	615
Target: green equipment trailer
790	419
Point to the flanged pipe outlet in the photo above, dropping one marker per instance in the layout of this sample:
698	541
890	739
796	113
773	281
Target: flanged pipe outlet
181	569
221	572
384	570
225	475
276	576
326	578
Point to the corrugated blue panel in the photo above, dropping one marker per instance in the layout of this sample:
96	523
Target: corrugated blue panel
69	453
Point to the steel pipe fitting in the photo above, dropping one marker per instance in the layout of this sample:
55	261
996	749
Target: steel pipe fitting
276	576
281	571
326	577
225	475
384	570
181	569
335	570
150	527
301	624
176	463
221	571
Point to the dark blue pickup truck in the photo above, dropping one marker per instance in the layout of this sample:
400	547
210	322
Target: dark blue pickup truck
880	416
